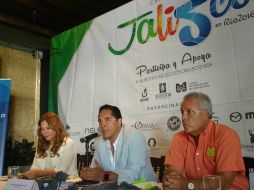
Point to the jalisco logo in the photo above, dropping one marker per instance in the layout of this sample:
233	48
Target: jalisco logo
186	12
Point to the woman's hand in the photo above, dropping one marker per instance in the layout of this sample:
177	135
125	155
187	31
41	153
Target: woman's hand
32	174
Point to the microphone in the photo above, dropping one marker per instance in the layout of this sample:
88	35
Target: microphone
89	137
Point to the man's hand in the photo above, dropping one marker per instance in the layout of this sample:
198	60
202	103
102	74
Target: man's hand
174	181
95	174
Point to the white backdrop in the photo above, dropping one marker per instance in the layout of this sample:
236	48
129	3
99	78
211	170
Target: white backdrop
149	78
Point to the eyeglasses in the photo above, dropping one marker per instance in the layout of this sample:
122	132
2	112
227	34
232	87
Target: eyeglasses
107	120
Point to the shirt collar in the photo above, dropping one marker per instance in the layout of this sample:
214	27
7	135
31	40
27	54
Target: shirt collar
116	141
203	133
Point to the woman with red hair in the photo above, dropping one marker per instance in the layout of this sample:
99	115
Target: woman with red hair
55	150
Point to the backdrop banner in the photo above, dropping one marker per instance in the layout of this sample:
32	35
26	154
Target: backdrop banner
4	108
145	56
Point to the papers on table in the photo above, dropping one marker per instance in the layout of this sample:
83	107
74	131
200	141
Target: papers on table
21	184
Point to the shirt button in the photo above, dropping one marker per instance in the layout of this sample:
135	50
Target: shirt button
198	168
197	153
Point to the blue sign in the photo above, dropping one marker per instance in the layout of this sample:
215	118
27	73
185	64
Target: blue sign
4	109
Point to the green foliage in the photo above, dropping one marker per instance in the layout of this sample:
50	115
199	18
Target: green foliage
19	154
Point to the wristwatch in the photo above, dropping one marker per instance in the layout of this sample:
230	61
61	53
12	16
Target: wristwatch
191	186
106	176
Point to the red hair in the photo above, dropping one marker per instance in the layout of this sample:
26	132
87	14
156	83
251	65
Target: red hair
55	124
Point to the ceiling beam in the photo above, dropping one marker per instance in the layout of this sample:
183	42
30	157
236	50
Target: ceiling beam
30	27
50	10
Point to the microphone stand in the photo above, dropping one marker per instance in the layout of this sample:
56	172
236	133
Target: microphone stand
87	157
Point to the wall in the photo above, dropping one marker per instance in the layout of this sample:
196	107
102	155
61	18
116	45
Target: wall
24	72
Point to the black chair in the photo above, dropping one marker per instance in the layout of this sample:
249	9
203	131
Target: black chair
158	166
249	163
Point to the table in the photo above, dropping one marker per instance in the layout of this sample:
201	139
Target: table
2	184
112	186
141	185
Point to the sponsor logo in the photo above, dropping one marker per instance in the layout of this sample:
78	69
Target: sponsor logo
181	87
198	85
92	146
237	116
211	151
90	130
251	133
163	92
67	127
144	96
174	123
2	117
77	133
163	95
162	87
68	130
144	93
248	147
151	142
145	126
249	115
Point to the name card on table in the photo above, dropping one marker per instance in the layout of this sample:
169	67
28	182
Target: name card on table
21	184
